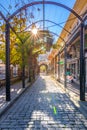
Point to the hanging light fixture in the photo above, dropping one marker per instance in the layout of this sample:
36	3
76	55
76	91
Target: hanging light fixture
34	29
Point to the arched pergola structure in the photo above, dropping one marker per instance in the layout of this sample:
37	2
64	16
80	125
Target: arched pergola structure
82	62
46	21
45	2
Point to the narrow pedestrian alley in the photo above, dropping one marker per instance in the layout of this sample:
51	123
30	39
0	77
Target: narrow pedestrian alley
44	106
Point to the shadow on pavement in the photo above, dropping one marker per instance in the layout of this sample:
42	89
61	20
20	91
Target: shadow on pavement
44	107
75	88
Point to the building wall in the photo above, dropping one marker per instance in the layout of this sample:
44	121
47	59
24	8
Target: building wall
74	61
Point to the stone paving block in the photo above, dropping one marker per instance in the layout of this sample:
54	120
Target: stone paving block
75	128
44	106
6	129
28	128
51	128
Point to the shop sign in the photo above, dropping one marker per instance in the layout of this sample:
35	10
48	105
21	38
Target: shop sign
60	62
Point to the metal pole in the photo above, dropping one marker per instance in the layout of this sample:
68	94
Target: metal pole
59	67
34	66
43	19
65	66
7	37
29	75
30	65
29	71
82	65
54	66
23	76
43	14
23	69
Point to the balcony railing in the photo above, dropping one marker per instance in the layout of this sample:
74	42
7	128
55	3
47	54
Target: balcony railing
76	28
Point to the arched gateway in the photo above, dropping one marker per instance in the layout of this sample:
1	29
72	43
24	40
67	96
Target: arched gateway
43	70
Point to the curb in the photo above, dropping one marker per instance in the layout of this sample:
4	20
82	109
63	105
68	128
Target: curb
9	104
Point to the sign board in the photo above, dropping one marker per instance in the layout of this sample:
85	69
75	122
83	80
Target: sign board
60	62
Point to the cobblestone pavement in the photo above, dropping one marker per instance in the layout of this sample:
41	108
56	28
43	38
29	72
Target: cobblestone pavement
15	90
44	106
75	88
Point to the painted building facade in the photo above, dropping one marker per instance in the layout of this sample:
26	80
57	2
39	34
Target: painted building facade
73	41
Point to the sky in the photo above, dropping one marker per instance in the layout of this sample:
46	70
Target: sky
52	13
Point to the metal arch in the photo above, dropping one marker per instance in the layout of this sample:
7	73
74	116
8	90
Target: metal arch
29	26
1	14
54	34
47	21
58	36
45	2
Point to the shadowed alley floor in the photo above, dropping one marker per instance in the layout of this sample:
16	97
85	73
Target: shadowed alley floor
44	106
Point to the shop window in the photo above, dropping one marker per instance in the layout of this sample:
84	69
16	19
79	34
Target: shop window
73	68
